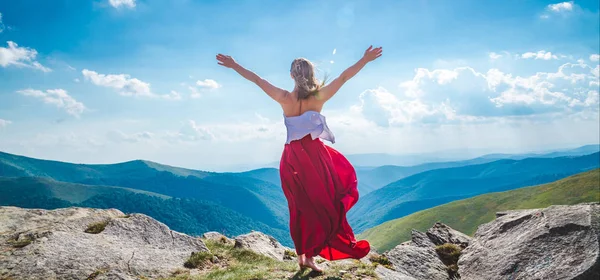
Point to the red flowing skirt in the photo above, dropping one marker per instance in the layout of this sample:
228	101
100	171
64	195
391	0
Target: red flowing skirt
320	186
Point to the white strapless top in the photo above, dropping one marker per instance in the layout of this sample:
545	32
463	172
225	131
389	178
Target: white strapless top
310	122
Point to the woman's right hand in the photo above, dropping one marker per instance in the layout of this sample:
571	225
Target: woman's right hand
372	53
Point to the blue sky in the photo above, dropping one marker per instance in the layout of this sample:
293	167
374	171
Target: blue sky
104	81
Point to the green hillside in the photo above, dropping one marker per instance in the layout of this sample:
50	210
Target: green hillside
421	191
466	215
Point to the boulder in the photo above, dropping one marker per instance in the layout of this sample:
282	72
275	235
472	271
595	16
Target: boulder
54	244
558	242
417	262
419	239
262	244
440	234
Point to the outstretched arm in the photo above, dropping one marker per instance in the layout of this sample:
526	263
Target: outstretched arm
329	90
274	92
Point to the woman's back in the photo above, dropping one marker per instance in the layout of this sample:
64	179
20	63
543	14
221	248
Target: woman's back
294	107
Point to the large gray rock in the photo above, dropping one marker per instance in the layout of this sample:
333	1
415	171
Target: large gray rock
129	247
417	262
262	244
388	274
419	239
441	234
558	242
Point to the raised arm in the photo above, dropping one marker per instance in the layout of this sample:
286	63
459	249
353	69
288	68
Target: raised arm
274	92
332	88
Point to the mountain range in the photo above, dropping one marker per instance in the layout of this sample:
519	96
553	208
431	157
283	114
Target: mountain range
194	201
438	186
467	214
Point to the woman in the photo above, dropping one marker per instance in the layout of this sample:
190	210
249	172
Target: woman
319	183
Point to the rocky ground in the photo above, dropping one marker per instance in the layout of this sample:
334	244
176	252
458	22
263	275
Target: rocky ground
559	242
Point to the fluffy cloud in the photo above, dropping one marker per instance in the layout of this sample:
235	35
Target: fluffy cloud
561	7
126	85
122	3
466	95
191	131
595	57
120	137
260	128
494	56
4	123
208	84
172	96
20	57
203	86
58	98
539	55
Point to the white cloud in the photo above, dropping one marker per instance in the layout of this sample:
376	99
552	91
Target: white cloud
465	95
334	51
191	131
595	57
539	55
4	123
208	84
172	96
122	3
126	85
20	57
494	56
120	137
203	86
58	98
561	7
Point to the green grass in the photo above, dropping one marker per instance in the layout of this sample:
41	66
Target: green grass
96	228
467	214
234	263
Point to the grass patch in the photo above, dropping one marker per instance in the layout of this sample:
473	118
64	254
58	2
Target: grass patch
96	228
467	214
95	274
288	255
382	260
236	263
20	243
198	260
449	254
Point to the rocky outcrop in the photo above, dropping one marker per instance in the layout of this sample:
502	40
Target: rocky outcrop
215	236
558	242
263	244
77	243
440	234
417	262
418	259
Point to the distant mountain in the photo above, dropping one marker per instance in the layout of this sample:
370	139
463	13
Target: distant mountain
373	178
185	215
256	199
581	151
466	215
434	187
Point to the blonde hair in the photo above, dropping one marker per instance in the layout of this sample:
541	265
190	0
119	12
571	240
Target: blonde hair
303	73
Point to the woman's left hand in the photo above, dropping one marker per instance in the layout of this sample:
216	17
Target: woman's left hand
226	60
